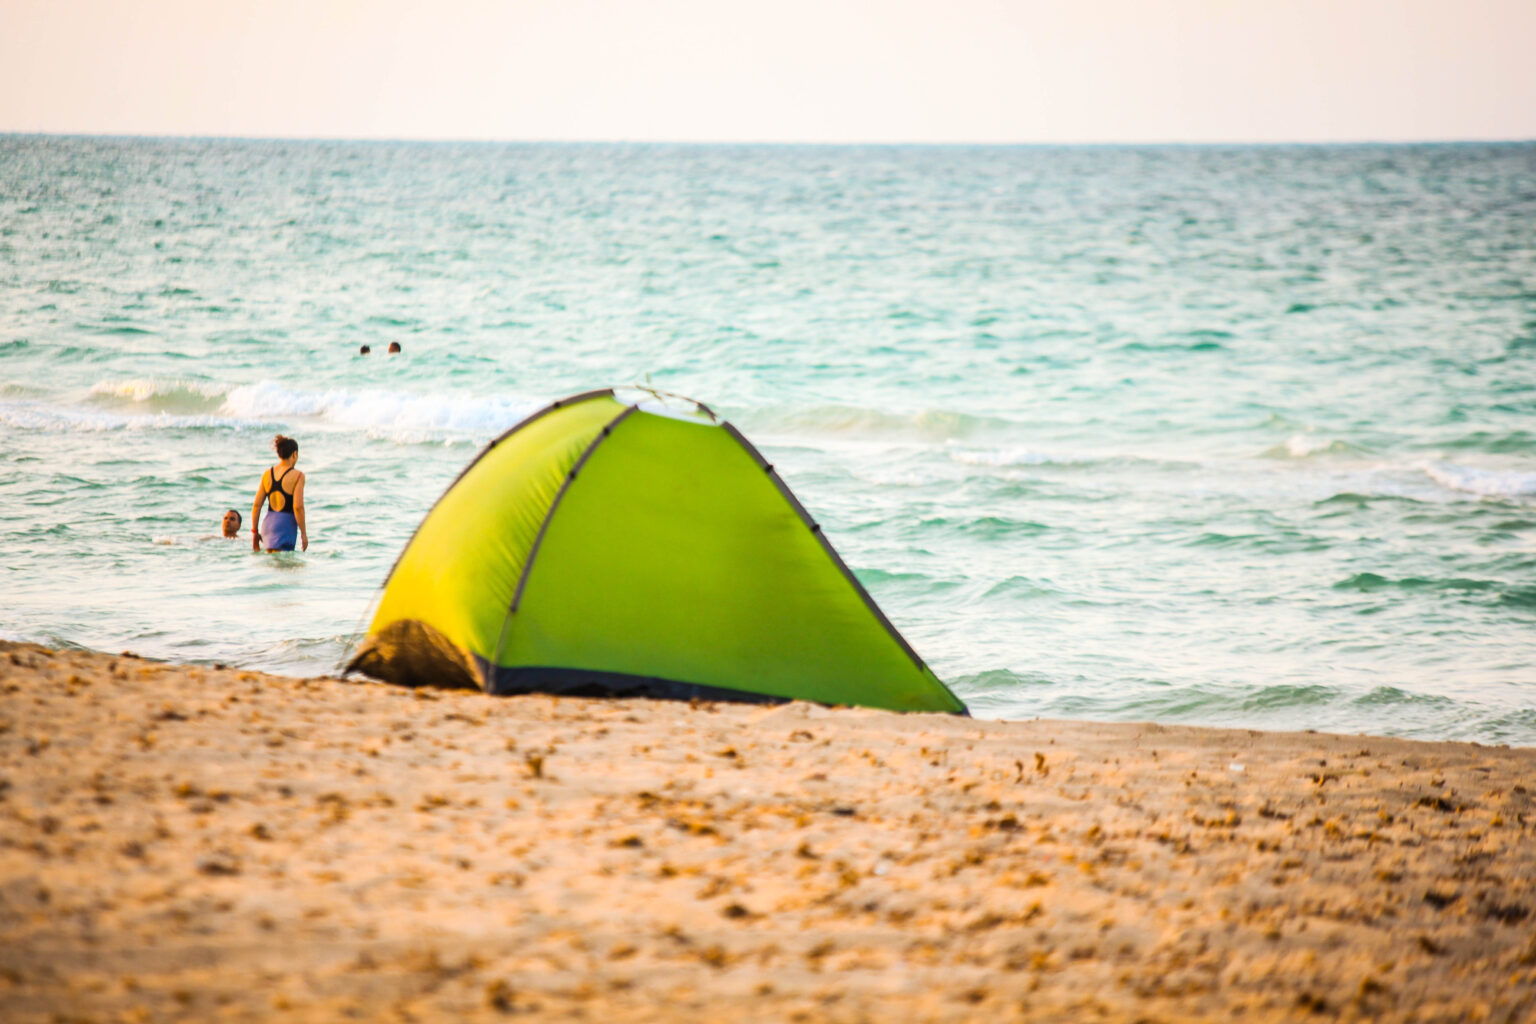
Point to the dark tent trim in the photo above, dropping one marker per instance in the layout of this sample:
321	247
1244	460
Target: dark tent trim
576	682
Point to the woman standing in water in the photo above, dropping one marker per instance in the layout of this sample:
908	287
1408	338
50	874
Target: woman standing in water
282	487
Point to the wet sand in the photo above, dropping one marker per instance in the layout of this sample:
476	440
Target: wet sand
181	842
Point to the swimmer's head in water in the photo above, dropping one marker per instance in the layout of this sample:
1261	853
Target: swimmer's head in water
232	522
394	347
285	447
364	350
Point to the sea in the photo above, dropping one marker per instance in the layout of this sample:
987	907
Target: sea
1224	435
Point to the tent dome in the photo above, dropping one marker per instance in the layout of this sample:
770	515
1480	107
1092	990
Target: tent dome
619	545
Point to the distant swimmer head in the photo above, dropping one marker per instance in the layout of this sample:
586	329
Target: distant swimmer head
286	447
394	347
232	522
364	350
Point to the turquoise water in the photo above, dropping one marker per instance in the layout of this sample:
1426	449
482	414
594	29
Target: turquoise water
1219	435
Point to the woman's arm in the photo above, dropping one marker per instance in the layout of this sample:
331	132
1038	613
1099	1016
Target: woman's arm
298	513
261	495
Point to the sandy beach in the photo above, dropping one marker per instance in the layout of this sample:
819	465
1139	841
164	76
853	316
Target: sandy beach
183	842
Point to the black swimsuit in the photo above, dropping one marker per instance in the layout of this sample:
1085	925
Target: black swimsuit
279	527
278	500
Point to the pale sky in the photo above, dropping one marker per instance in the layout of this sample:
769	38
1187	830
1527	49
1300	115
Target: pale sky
774	70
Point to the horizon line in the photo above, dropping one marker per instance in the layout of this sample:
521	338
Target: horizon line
764	142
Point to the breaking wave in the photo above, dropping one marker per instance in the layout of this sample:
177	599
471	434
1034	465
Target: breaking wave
377	410
1004	457
156	404
57	419
862	421
1300	446
1489	483
154	394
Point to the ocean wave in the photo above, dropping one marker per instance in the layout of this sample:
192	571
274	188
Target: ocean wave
1021	587
1287	695
1517	442
1214	539
1354	499
159	394
1024	457
62	419
1300	446
1392	695
1369	582
922	424
1199	341
1004	457
1519	597
879	577
1515	728
982	527
1155	700
894	477
1279	705
378	410
171	404
1489	483
999	692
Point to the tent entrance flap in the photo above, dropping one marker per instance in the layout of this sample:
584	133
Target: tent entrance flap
412	653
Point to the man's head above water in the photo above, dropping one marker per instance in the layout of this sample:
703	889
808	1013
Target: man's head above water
231	523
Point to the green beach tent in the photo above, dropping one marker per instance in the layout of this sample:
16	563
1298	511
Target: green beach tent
609	545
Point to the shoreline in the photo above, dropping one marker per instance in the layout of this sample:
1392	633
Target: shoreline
182	842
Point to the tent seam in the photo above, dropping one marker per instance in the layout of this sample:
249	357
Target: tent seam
826	545
538	539
519	425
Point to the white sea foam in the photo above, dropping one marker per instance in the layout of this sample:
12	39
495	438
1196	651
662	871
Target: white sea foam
1012	457
1301	446
857	421
157	404
895	478
1491	483
65	419
390	412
